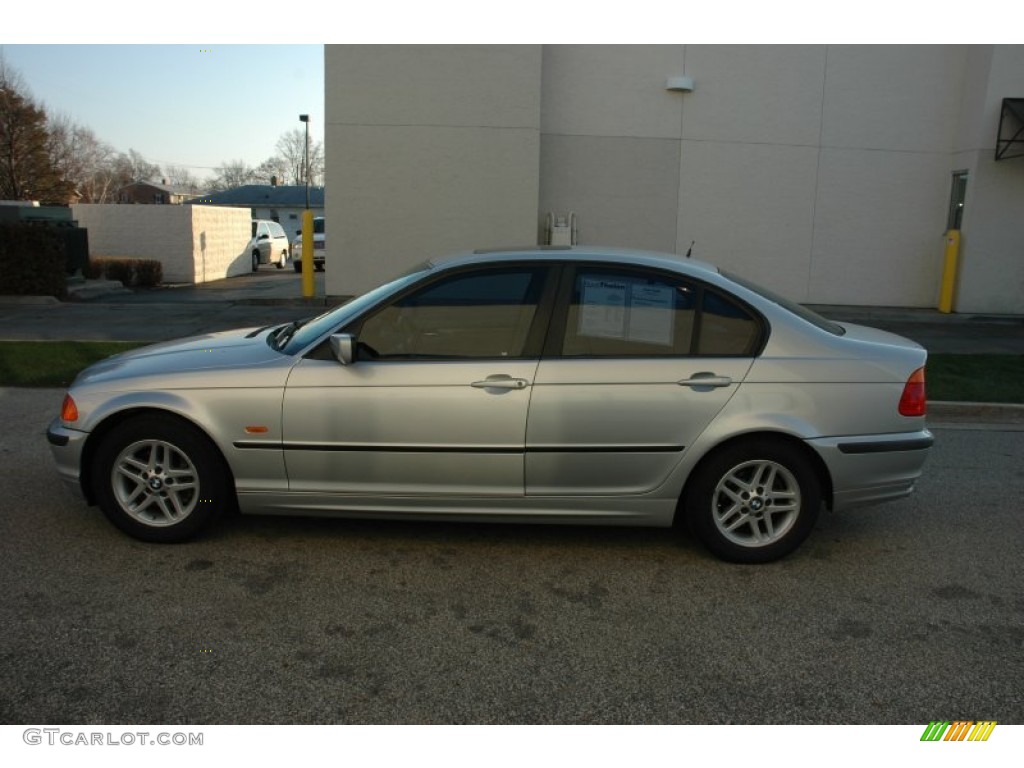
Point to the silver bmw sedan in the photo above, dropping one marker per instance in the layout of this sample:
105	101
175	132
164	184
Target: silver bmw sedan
558	385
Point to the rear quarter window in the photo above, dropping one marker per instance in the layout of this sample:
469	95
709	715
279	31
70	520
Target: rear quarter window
726	328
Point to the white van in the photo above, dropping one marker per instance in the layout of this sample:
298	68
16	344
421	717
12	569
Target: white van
269	244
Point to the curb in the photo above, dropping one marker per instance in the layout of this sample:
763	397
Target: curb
976	413
270	301
17	301
869	315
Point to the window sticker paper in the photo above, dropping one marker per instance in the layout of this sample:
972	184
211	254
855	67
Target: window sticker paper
603	310
650	314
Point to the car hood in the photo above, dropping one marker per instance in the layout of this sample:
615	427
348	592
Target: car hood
224	350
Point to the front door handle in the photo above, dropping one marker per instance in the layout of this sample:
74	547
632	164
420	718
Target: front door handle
500	381
705	379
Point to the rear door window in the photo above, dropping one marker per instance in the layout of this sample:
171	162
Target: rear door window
646	313
616	313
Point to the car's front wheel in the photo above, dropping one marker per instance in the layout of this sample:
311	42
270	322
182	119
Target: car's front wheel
255	261
158	478
754	502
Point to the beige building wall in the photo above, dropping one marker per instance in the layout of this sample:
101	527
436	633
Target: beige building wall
811	169
193	243
430	150
992	237
821	171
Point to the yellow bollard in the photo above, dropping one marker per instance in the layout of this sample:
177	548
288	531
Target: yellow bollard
949	271
308	284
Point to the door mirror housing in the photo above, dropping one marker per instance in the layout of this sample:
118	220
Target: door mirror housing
343	347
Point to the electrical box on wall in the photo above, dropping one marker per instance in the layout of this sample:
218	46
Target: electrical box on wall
561	229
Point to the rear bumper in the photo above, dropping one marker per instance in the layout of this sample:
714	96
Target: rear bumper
870	469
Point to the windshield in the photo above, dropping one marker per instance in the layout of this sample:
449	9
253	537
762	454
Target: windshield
799	310
303	333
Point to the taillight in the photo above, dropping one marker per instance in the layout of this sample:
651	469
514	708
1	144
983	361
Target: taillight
913	401
69	411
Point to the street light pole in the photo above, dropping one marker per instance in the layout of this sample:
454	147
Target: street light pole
308	285
305	163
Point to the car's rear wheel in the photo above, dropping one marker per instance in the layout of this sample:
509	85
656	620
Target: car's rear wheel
159	478
255	261
283	260
754	502
297	264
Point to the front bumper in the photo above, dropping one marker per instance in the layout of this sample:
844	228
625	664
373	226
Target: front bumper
870	469
66	446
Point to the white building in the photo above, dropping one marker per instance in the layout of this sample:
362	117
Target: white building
824	172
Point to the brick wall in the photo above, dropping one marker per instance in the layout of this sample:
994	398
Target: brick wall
195	244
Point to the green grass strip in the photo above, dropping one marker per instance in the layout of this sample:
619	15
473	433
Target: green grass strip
52	363
975	378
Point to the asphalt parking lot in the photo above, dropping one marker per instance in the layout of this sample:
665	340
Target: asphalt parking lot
901	613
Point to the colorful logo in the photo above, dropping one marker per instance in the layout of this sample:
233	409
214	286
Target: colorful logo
958	730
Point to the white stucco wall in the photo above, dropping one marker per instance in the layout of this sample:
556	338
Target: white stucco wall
821	171
992	236
431	149
194	244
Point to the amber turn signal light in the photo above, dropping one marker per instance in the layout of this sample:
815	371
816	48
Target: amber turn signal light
69	411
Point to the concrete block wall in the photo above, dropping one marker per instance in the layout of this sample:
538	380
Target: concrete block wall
220	237
194	244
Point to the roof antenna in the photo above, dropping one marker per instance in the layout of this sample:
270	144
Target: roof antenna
690	249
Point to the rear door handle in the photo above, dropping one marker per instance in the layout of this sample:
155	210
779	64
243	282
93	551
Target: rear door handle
500	381
705	379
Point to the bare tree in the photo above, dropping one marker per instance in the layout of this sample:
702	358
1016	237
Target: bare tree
100	180
132	166
273	169
183	178
291	149
82	160
233	174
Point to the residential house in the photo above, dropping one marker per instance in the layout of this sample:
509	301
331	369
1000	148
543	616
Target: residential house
151	193
280	203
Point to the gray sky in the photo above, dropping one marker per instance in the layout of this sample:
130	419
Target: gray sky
195	106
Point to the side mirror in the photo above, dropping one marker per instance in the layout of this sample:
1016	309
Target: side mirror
343	347
263	237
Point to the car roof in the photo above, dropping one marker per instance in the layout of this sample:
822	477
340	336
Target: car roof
576	253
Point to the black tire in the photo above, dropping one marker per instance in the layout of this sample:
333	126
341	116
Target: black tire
255	261
298	265
283	260
159	478
754	501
